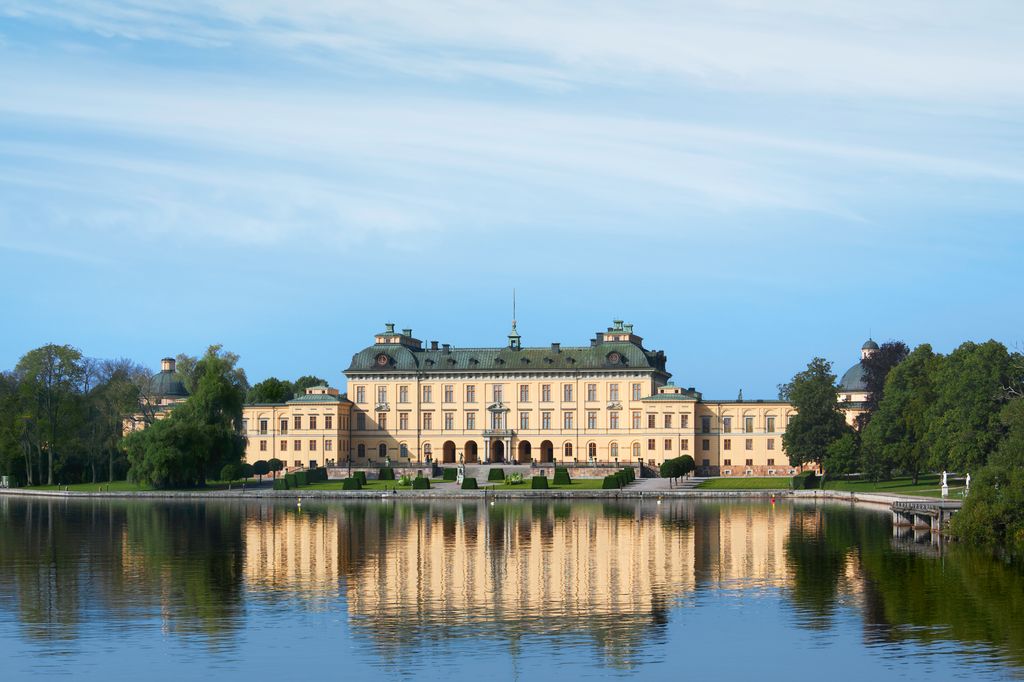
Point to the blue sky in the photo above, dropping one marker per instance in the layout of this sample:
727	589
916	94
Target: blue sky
751	183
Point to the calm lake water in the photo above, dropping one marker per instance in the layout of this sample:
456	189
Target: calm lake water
103	590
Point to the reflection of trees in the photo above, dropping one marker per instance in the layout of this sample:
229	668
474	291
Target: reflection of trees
62	561
817	550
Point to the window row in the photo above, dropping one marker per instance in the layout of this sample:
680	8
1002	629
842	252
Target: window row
748	424
312	423
297	445
497	393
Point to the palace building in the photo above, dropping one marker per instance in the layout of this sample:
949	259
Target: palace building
609	402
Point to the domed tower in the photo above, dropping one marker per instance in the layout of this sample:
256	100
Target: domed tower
166	386
853	390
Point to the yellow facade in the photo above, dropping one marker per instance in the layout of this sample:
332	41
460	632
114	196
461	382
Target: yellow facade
308	431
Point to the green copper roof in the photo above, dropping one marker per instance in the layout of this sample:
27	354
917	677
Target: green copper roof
317	398
608	356
661	397
853	380
167	385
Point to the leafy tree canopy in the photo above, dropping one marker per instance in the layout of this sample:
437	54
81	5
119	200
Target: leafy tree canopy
272	390
818	422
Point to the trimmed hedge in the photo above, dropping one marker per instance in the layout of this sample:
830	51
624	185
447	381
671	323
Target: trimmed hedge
351	484
630	474
450	474
469	484
496	475
280	484
421	483
562	476
360	476
612	482
386	474
301	478
806	480
292	482
539	482
318	475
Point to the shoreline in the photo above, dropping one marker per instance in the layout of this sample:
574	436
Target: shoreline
427	495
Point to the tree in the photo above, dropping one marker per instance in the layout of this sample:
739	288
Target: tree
272	390
843	456
896	437
876	368
670	468
232	472
687	464
53	373
818	422
261	468
275	465
308	381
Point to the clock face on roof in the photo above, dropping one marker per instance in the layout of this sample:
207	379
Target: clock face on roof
614	358
383	360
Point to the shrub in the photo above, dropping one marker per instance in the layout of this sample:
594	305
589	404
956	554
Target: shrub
351	484
290	478
806	480
386	474
301	478
539	483
687	464
450	474
515	479
421	483
405	480
562	476
280	484
318	475
469	484
231	472
275	465
630	474
611	482
670	468
496	475
360	476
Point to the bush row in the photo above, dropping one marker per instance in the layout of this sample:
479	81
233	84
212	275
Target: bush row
620	479
806	480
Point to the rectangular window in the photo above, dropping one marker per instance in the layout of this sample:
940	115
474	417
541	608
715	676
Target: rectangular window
545	393
263	427
748	425
727	444
545	420
361	421
567	420
684	444
651	444
636	391
328	421
727	424
312	446
470	393
524	420
684	421
360	394
263	446
705	424
771	462
727	462
382	394
750	444
566	393
428	421
613	392
428	394
636	420
312	422
591	392
297	422
471	420
284	445
613	420
771	444
449	421
497	393
591	420
382	422
668	421
245	426
668	444
705	462
652	421
449	393
403	421
769	424
403	394
298	445
328	445
524	393
750	462
705	444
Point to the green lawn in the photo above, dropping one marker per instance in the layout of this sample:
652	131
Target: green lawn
370	485
746	483
577	484
128	487
929	485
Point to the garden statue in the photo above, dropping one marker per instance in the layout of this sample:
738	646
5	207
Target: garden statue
945	485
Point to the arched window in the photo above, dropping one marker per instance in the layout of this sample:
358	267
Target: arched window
403	450
636	450
614	450
427	451
382	450
361	450
592	450
567	450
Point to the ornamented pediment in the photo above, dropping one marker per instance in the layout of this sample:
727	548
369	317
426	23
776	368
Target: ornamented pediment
382	407
614	405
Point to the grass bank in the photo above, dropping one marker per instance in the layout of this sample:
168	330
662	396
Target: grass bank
129	487
745	483
929	485
578	484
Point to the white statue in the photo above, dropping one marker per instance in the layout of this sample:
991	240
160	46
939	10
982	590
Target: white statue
968	482
944	483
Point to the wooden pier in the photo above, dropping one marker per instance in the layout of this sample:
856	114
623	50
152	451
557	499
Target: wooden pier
931	515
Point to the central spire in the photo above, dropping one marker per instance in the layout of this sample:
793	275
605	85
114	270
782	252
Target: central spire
514	340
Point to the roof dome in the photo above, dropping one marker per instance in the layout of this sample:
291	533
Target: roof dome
869	345
853	380
168	384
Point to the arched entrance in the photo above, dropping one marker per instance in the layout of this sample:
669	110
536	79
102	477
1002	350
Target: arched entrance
448	452
497	451
524	452
470	452
547	451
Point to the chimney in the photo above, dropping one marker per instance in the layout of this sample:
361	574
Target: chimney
433	345
167	365
447	348
407	332
557	347
389	327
